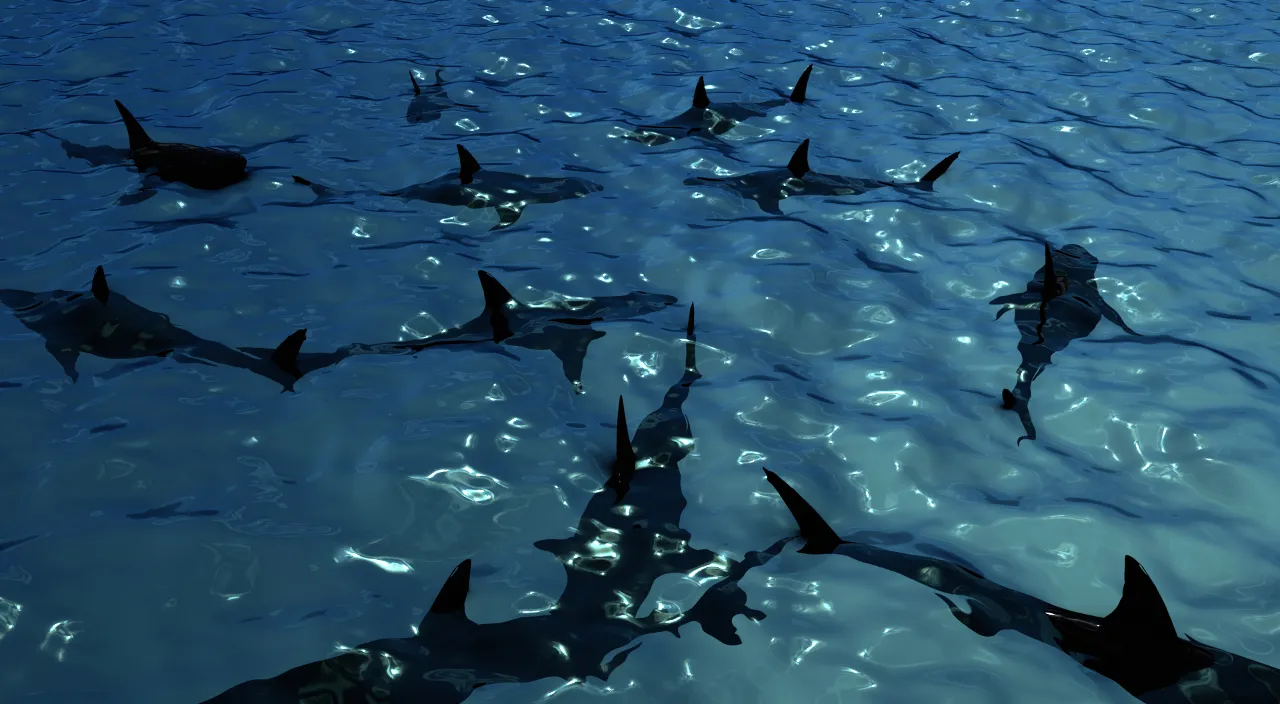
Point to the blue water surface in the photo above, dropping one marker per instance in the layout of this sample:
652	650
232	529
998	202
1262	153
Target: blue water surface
848	345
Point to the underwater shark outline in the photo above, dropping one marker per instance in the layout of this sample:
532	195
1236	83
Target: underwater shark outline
1136	645
472	186
595	623
1060	304
769	187
430	101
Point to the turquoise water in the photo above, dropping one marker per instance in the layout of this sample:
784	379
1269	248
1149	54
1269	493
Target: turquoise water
848	344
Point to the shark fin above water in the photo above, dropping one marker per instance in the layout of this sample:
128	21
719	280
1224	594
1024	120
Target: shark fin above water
467	165
624	464
285	355
138	137
1141	611
99	287
820	539
802	86
700	99
496	300
799	164
452	597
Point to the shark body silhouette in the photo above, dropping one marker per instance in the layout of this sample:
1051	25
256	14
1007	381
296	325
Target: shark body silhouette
708	120
1136	645
768	188
206	168
564	330
429	102
451	656
106	324
1060	304
473	187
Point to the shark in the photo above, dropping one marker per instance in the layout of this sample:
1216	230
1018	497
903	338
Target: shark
474	187
562	328
1060	304
205	168
611	562
769	187
1135	645
711	120
429	102
105	323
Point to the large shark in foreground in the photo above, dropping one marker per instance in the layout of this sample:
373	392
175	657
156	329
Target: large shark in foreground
1061	304
709	120
1136	645
628	536
104	323
564	329
207	168
474	187
769	187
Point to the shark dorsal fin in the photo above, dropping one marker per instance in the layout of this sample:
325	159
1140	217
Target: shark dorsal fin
416	90
1007	399
99	286
700	99
690	349
1141	611
467	165
452	598
624	464
938	170
138	138
818	536
496	300
802	85
799	164
285	355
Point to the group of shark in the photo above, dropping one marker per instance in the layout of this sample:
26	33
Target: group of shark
637	511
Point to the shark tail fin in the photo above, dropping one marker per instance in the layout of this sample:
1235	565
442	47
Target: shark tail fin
926	181
416	89
138	137
691	348
467	165
496	300
452	598
799	164
802	85
700	99
1141	610
624	464
819	538
99	287
285	355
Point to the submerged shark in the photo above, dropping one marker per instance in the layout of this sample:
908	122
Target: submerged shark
564	329
104	323
704	119
769	187
629	535
206	168
429	102
1061	304
474	187
1135	646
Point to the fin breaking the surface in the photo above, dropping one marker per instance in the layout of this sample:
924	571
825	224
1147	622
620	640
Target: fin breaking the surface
138	138
937	171
799	164
496	300
416	89
700	99
802	85
452	598
1141	610
285	355
820	539
99	287
624	464
467	165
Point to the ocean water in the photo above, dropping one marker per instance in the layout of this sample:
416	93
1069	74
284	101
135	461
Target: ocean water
168	531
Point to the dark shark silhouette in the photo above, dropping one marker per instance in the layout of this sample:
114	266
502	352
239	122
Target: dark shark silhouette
707	120
473	187
610	562
206	168
429	102
769	187
1135	645
1061	304
105	323
566	331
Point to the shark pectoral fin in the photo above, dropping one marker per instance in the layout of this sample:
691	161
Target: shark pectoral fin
99	286
573	356
320	190
1141	611
799	164
138	138
802	85
452	598
926	181
285	355
66	357
820	539
624	463
467	165
508	215
700	99
143	194
1111	314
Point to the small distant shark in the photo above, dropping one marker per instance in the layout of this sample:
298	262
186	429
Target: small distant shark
206	168
704	119
628	536
1061	304
429	103
474	187
1136	645
769	187
106	324
564	330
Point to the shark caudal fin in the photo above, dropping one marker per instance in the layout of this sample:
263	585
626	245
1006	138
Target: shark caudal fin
818	536
138	138
285	355
802	85
99	286
926	181
624	464
496	300
799	164
1141	611
467	165
700	99
452	598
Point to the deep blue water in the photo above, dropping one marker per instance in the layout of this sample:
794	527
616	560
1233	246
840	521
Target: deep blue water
169	530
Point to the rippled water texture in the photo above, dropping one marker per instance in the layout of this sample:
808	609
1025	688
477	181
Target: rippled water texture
169	530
